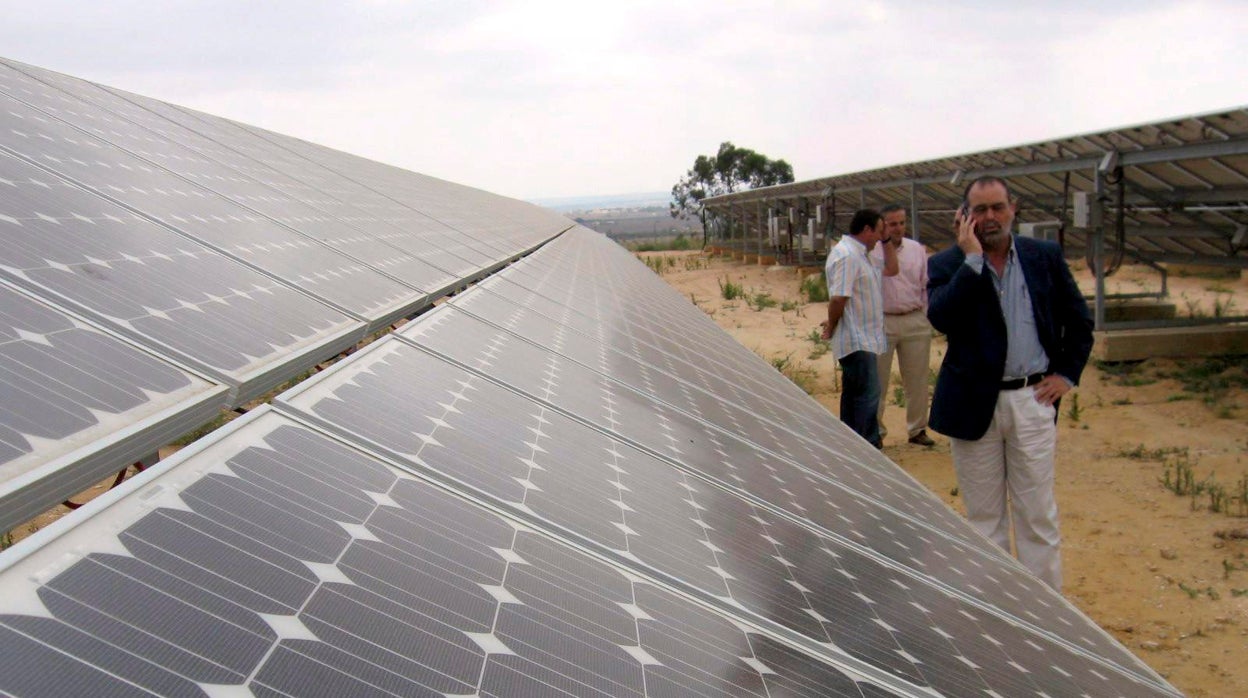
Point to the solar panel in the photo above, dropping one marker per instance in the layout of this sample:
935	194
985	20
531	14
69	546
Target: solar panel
215	205
166	292
78	402
375	232
279	560
473	432
351	193
1183	183
478	215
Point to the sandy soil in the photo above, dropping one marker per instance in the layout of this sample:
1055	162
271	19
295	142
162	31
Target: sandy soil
1161	572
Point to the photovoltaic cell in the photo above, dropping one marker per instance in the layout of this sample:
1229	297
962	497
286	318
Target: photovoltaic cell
280	561
196	196
480	215
72	391
169	293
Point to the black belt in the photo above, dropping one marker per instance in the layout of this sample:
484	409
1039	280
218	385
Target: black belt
1017	383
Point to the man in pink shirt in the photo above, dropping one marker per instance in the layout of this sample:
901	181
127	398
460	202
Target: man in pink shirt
906	327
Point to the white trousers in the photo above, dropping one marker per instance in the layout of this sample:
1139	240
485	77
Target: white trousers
1007	476
910	337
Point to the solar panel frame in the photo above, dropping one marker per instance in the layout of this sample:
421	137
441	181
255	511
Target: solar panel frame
55	471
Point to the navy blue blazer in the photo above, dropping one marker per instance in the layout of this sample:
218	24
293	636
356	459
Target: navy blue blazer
965	307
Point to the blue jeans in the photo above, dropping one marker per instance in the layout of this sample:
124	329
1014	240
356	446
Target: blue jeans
860	395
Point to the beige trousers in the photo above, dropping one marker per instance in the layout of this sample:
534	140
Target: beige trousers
910	338
1006	479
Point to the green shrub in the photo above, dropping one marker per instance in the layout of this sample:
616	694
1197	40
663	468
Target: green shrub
815	290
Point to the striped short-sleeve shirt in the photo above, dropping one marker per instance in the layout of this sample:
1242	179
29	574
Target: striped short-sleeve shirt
852	273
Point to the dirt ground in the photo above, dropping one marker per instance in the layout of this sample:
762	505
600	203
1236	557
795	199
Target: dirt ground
1160	571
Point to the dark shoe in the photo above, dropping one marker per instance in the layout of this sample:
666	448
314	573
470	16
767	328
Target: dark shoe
922	439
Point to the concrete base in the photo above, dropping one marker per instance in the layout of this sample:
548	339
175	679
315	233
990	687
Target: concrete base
1204	271
1174	342
766	260
1138	309
803	272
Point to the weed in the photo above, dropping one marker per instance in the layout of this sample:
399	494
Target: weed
760	300
802	375
821	347
786	306
1207	591
1228	567
1184	481
1239	592
899	395
692	298
655	263
1154	454
1121	401
680	242
1223	306
6	541
1178	397
1074	412
780	363
814	289
1180	478
729	290
1239	498
1193	307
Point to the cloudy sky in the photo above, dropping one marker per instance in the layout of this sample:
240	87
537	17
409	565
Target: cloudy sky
545	98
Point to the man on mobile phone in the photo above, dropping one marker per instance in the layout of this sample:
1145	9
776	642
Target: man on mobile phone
907	332
855	323
1019	335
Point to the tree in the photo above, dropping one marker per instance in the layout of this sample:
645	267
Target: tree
728	170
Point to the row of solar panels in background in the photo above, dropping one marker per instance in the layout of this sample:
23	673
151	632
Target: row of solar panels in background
240	257
544	486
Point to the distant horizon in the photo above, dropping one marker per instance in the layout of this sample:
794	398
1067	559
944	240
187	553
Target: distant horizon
625	200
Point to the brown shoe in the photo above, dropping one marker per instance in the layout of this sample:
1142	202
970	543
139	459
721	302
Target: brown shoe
922	439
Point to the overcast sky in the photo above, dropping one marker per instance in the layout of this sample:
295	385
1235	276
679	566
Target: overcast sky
544	98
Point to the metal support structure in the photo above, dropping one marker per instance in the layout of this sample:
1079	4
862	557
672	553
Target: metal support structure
1098	247
914	212
758	223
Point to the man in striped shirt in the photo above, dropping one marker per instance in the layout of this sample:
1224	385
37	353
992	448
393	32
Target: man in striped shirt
855	323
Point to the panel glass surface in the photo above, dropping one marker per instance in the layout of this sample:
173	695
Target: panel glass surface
166	180
170	293
284	563
699	531
68	386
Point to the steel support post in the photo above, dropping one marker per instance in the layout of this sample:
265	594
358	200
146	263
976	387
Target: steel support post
1098	246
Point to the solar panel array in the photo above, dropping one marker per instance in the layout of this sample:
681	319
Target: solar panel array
158	243
1184	184
563	481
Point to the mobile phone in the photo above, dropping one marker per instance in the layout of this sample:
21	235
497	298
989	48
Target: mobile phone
964	210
